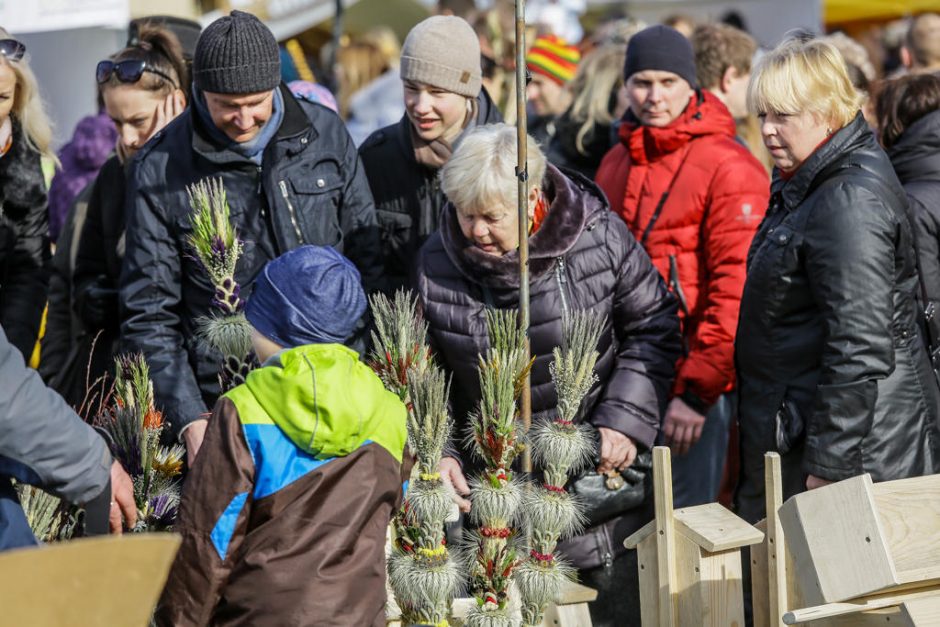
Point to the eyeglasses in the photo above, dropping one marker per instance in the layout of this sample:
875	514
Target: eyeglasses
12	49
128	71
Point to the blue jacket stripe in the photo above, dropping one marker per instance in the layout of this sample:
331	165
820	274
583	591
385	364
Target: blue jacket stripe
225	527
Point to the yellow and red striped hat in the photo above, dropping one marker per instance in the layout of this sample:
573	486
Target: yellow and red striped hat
553	57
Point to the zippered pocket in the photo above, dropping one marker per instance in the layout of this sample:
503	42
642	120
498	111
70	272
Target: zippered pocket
291	212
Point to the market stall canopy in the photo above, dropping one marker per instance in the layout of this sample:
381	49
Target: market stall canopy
842	11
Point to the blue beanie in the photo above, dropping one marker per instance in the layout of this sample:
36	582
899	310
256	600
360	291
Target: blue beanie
661	48
310	295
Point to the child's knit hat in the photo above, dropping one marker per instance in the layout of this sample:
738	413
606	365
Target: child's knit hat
309	295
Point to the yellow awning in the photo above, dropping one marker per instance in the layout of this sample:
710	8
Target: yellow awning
840	11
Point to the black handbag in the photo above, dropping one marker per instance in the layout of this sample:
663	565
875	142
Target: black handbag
606	496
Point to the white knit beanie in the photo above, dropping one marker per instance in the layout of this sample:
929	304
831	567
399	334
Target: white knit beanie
443	51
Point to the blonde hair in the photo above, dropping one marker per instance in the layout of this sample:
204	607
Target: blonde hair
800	76
482	171
28	108
600	74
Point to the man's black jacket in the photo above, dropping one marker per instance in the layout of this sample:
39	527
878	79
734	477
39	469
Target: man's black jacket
309	189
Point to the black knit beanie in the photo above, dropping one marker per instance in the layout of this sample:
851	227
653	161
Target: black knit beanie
237	54
660	48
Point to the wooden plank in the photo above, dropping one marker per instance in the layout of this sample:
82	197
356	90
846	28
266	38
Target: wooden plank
760	585
716	598
648	569
775	545
922	612
690	608
909	510
576	615
714	528
634	539
90	582
665	536
844	608
573	593
835	537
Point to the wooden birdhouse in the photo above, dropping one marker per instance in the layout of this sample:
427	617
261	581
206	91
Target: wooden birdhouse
690	559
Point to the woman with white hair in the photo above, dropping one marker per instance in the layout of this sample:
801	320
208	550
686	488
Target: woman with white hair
581	257
832	369
25	138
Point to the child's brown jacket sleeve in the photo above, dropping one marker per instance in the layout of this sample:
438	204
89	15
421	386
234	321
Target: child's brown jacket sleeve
213	520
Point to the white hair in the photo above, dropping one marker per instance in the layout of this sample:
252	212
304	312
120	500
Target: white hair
482	171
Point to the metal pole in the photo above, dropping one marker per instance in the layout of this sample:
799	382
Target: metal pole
336	38
522	174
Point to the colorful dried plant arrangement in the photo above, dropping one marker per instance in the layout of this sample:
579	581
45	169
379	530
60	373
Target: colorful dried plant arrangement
496	494
399	341
422	574
134	427
560	447
215	243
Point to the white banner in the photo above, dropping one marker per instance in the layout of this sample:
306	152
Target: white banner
30	16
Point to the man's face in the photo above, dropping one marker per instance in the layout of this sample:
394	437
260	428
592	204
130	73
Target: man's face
734	92
657	97
240	116
546	96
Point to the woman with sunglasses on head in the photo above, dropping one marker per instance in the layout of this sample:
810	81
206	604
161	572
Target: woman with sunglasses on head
143	87
25	136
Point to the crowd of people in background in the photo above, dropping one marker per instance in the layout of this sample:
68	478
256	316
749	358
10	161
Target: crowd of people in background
755	223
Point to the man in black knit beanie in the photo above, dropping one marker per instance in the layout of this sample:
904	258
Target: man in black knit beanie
292	177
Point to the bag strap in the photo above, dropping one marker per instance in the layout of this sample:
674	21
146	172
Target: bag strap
664	197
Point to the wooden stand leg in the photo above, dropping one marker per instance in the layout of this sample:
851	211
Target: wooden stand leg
665	536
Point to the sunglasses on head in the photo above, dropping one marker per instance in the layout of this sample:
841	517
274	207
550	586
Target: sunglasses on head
128	71
12	49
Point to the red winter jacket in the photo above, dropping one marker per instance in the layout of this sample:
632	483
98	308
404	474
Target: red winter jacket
717	196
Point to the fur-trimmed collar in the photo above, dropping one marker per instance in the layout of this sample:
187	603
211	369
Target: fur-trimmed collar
22	183
573	200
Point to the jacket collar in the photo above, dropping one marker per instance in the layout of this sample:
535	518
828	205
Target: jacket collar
822	164
294	125
916	155
573	201
487	113
705	115
21	181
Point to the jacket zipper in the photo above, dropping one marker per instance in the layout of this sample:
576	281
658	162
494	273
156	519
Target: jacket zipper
562	282
290	210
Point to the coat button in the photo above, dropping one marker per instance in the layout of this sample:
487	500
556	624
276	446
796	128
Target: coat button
321	183
782	239
303	140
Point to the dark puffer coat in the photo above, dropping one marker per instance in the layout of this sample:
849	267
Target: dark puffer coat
916	160
583	257
832	368
309	189
24	243
408	196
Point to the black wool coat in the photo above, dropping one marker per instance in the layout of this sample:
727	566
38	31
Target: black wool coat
408	196
24	243
583	257
832	368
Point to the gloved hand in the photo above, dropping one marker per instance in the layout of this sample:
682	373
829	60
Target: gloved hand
98	304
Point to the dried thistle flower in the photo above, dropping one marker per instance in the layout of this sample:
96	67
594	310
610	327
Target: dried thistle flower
399	340
494	504
560	447
214	239
423	593
429	421
573	367
540	584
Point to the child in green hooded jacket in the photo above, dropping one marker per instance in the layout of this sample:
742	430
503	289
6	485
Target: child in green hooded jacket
284	514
